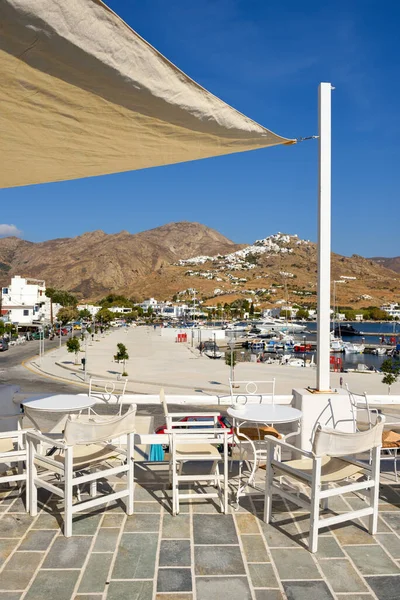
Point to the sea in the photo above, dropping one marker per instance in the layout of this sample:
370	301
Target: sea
387	329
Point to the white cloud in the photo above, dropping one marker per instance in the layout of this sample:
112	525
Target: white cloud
8	230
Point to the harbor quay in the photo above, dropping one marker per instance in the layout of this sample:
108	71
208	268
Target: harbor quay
157	360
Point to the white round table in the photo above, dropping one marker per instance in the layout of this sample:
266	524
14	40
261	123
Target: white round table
63	403
260	414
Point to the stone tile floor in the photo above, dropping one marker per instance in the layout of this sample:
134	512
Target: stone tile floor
198	555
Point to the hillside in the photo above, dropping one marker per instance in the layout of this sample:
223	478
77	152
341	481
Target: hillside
174	259
389	263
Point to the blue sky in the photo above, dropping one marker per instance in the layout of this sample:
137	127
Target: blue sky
266	58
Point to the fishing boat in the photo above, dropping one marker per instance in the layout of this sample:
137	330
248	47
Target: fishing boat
336	345
211	350
350	348
379	351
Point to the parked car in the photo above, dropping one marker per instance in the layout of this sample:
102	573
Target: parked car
194	422
3	345
64	331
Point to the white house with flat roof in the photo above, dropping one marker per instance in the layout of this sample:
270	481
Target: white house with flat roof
90	307
393	309
25	302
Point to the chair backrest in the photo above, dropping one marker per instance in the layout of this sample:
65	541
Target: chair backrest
263	390
106	390
360	410
83	430
164	402
331	442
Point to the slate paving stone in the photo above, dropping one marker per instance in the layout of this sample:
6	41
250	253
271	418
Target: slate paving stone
268	595
385	588
393	520
14	526
68	553
37	540
96	573
342	576
173	596
106	540
247	523
136	556
328	548
214	529
18	506
53	584
149	493
262	575
147	507
218	560
130	590
295	564
348	533
112	520
174	580
356	597
254	548
307	590
206	506
48	521
176	527
281	535
175	553
6	547
86	524
221	588
87	597
372	560
391	542
19	570
142	522
10	595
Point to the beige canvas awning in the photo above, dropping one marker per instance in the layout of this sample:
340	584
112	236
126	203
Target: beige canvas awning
82	94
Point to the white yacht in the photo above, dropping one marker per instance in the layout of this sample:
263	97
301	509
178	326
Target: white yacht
269	324
350	348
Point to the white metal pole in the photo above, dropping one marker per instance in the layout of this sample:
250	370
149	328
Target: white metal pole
324	238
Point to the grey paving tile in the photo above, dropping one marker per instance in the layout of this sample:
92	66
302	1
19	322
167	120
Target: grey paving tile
348	533
147	507
149	493
247	523
19	570
254	548
174	553
220	588
328	547
342	576
136	556
68	553
37	540
307	590
284	534
206	506
393	520
174	580
176	527
87	597
174	596
295	563
53	584
214	529
14	526
268	595
218	560
385	588
10	595
356	597
18	506
391	542
372	560
106	540
48	521
112	519
262	575
142	522
132	590
6	547
95	574
86	524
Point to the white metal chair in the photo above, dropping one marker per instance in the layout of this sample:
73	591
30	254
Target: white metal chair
199	445
86	445
245	391
13	452
329	463
107	391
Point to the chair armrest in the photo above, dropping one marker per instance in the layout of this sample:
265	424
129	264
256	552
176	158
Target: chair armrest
39	437
199	414
275	442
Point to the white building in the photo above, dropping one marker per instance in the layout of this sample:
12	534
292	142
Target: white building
393	309
90	307
120	310
25	302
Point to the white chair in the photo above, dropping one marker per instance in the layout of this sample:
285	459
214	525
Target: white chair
328	464
249	391
86	445
199	445
13	452
107	392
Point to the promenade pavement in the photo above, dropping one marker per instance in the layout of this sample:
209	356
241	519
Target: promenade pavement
156	361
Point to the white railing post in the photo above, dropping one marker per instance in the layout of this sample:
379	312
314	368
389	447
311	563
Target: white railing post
324	238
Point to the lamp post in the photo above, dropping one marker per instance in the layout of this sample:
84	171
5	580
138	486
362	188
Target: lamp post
231	345
59	325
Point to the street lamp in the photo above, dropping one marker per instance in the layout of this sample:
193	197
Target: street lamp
231	345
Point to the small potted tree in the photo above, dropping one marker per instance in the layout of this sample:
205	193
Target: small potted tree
391	370
122	354
73	345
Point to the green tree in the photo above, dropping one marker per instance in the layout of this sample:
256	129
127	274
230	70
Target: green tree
105	316
61	297
251	311
73	345
302	313
116	300
285	314
350	314
122	354
391	370
85	314
67	314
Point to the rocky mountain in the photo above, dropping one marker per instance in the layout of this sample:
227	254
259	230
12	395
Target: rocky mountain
175	259
389	263
96	263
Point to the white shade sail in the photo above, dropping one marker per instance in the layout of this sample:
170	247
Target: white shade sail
82	94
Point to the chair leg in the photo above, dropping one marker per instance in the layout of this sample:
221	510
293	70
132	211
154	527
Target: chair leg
226	476
268	486
68	493
374	492
31	498
93	488
131	474
315	500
